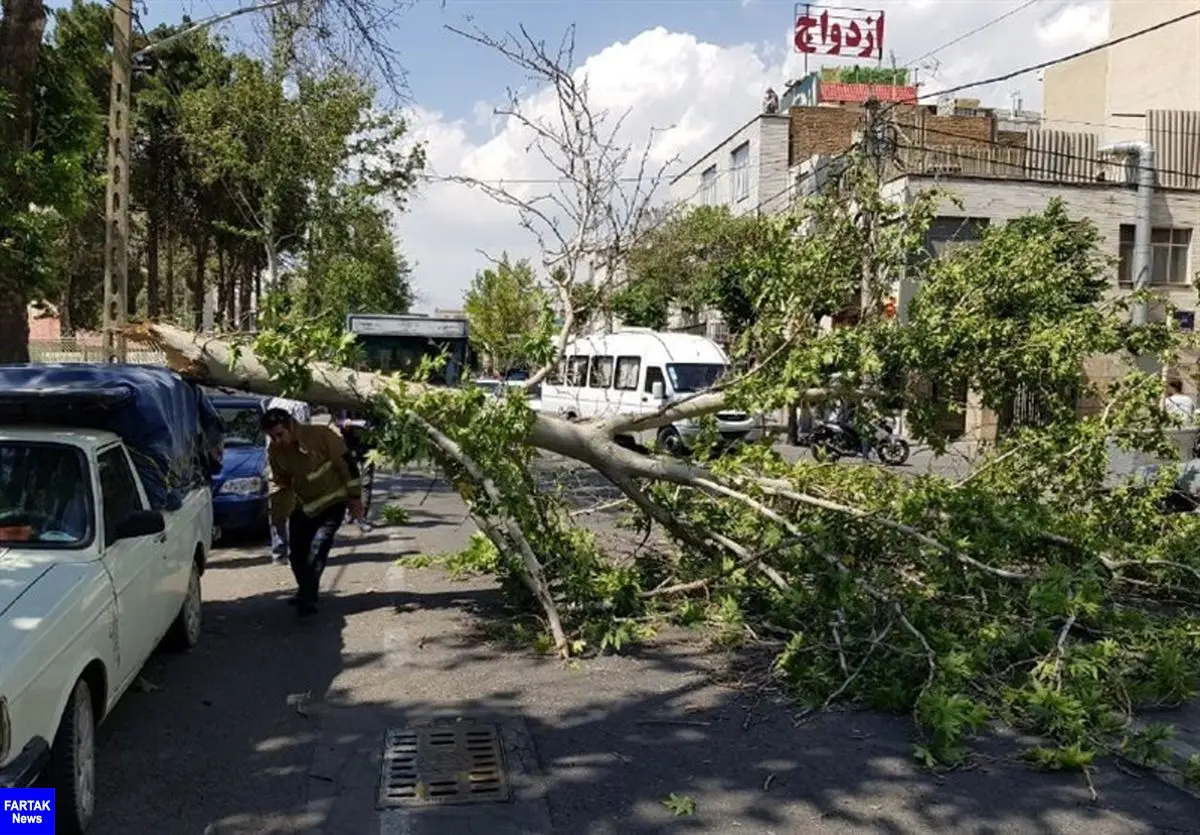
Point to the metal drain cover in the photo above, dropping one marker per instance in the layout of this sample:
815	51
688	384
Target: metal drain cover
441	765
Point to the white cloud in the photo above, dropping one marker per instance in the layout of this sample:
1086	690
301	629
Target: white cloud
703	91
1075	24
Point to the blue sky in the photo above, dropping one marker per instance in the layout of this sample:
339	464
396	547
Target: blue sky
698	67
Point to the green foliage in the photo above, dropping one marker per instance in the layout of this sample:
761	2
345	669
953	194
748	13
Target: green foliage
394	514
679	805
864	74
290	341
46	184
695	261
1034	592
509	317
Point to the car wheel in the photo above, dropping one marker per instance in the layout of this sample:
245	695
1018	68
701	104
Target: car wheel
185	631
72	769
670	441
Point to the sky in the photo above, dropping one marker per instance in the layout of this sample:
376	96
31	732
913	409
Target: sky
691	71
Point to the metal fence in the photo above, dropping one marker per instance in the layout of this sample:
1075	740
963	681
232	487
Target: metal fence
85	349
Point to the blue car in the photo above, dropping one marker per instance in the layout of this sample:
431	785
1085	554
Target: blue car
240	490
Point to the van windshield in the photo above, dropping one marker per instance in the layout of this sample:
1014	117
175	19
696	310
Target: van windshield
694	376
43	496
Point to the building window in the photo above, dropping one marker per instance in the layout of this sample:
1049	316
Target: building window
1168	256
708	186
739	169
945	234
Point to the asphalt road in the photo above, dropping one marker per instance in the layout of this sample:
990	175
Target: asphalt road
274	726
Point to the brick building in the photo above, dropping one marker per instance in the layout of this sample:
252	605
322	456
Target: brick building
999	165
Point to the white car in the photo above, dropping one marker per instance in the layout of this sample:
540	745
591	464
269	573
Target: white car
91	581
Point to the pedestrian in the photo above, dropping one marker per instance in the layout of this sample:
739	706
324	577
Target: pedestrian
301	413
313	483
1178	404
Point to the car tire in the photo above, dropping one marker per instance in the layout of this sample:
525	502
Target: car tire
72	768
185	630
670	441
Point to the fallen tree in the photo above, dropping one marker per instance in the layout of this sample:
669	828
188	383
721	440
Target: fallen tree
1031	592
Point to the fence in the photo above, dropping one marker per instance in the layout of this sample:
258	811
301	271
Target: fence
85	349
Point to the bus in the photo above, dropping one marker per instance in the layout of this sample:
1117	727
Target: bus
398	343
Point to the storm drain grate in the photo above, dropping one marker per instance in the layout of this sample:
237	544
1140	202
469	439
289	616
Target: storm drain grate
450	764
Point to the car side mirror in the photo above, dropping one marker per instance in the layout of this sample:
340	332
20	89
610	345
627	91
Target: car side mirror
657	391
140	523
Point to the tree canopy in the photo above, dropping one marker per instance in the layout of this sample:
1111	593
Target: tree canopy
507	316
243	165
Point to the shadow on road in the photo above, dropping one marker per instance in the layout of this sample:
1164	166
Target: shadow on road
246	730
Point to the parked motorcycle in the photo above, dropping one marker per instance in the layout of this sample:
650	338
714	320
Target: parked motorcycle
831	441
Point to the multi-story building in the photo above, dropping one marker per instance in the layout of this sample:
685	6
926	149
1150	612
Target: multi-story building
999	165
1111	92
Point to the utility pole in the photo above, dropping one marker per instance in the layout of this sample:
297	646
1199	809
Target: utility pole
116	234
120	127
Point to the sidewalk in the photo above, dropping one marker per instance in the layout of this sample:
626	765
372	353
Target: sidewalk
598	746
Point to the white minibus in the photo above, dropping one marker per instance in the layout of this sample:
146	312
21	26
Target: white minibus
638	371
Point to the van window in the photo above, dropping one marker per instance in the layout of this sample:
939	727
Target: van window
628	369
654	374
576	370
602	373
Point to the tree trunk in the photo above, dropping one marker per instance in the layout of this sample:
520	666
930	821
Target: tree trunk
222	288
231	293
245	293
153	230
170	295
22	24
200	250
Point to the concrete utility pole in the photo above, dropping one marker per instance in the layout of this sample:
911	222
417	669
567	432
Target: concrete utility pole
116	235
120	114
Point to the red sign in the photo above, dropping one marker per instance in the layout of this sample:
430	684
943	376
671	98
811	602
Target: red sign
853	33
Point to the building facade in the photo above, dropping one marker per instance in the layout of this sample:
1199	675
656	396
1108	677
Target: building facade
747	172
1111	91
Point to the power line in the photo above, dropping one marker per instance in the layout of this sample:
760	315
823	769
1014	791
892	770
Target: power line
974	31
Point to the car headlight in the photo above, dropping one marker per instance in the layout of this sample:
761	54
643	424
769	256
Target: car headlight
243	486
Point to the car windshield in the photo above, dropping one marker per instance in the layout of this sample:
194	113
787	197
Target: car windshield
43	496
694	376
242	426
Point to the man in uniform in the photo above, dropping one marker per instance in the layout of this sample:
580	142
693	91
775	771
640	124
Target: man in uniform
313	483
301	413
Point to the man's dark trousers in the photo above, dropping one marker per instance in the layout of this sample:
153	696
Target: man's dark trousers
309	542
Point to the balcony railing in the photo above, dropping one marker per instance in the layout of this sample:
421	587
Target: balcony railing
1048	156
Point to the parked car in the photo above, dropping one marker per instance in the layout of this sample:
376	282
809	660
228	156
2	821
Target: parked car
240	489
105	528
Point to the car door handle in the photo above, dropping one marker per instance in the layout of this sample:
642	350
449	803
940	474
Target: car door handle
161	538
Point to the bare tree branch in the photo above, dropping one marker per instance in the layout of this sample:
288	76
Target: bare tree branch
589	219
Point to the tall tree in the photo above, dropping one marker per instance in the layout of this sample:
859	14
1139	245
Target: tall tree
22	23
51	131
693	261
352	265
504	307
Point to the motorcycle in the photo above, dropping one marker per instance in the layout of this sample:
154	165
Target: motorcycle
831	441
